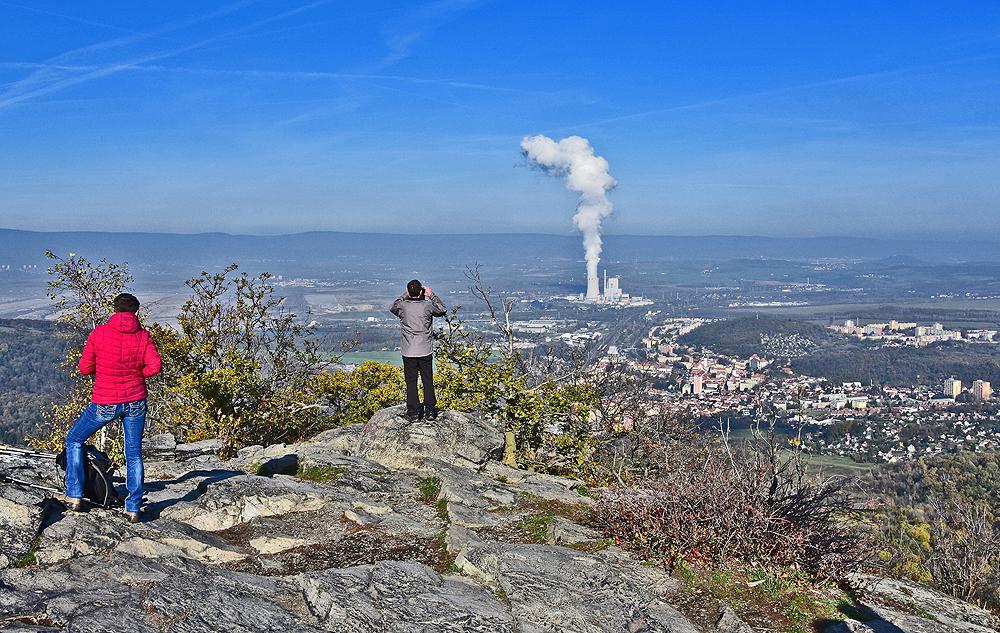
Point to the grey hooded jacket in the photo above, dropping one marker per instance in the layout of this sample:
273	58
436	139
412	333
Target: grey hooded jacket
415	319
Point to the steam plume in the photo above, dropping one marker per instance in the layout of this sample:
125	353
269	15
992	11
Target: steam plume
573	157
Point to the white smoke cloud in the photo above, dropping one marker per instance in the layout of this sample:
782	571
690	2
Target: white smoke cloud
586	173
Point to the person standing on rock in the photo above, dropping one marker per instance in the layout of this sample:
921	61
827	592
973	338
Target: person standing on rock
416	310
120	355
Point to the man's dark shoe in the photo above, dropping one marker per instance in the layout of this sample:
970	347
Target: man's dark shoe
433	415
412	417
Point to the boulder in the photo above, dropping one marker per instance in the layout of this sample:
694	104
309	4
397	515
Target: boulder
239	499
123	592
730	622
915	608
198	449
22	507
161	446
462	439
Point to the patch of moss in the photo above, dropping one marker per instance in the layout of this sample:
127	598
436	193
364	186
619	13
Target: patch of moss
29	559
786	602
579	513
442	509
535	527
593	546
321	473
429	488
502	596
584	491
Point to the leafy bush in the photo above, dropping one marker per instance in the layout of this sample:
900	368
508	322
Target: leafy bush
751	504
240	365
547	418
353	397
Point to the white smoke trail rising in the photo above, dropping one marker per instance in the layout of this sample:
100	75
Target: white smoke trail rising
586	173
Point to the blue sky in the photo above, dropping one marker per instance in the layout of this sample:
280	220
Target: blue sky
783	118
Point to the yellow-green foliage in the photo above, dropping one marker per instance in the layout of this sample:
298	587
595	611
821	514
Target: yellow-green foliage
239	366
355	396
470	377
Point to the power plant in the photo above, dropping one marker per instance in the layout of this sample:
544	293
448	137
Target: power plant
610	293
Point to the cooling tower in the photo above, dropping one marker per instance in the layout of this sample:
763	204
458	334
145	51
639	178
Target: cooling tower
593	289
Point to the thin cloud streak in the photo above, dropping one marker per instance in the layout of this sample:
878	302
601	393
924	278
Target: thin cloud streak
41	82
277	74
775	91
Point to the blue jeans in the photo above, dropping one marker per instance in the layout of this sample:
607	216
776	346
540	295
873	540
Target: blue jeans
93	419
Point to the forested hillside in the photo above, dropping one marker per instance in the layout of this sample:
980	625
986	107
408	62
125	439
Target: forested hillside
815	351
756	335
904	366
30	375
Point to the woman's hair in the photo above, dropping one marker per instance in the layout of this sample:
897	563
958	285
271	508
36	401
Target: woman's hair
126	303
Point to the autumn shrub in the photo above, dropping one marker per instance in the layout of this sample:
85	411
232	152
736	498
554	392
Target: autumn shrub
750	504
953	545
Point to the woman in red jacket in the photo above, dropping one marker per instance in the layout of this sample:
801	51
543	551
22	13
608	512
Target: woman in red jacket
120	355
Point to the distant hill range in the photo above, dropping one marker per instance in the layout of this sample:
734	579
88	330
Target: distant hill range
328	248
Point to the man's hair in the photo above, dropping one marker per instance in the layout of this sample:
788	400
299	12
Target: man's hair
126	303
414	287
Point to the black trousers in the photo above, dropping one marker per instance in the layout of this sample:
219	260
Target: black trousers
424	366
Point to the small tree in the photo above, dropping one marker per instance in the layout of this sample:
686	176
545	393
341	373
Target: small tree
545	408
82	292
240	365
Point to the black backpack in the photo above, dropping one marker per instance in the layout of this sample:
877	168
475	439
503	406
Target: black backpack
98	470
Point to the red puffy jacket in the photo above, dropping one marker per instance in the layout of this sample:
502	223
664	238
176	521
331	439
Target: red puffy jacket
123	356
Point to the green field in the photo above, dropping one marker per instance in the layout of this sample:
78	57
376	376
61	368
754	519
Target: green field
356	358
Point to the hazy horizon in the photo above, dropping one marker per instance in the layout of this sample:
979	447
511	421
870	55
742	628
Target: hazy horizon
568	233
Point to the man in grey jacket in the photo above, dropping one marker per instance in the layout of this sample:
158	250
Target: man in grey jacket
416	311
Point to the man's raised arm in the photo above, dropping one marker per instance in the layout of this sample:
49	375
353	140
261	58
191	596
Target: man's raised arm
397	306
438	308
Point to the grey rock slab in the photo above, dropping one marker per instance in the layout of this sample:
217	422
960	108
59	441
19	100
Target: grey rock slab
730	622
239	499
129	594
198	449
559	589
159	446
562	531
22	511
345	439
403	597
101	531
546	488
945	613
474	518
459	438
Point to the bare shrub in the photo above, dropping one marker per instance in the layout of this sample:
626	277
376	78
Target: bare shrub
754	504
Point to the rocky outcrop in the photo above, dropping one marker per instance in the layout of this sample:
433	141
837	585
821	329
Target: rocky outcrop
462	439
384	527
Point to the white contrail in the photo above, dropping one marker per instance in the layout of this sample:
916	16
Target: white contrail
586	173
